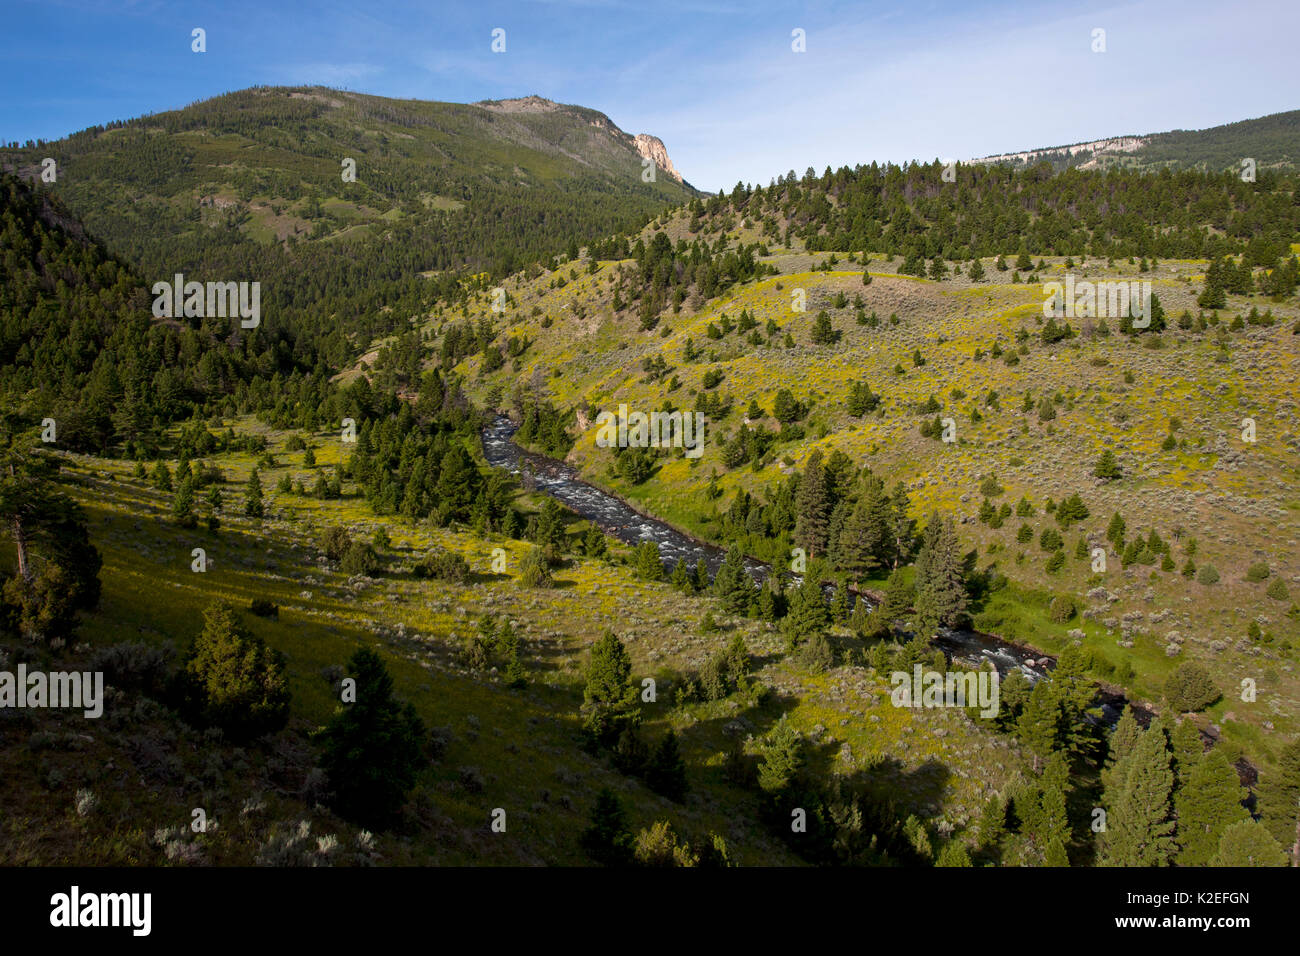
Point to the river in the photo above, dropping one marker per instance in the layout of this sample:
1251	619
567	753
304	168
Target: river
616	517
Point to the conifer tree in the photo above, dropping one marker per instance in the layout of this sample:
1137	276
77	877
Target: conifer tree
898	597
183	504
1139	821
781	759
940	578
1279	800
607	840
681	577
808	614
232	680
863	540
1107	466
1248	843
1056	855
253	507
1209	801
1038	723
665	772
609	699
702	581
733	586
373	746
812	507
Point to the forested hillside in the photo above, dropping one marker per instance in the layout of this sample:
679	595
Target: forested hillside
1271	142
254	185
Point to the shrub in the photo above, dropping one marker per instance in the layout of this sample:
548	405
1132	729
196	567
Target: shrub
535	570
443	566
1277	590
1190	688
817	654
134	667
360	558
264	608
336	543
1062	609
1207	575
1257	572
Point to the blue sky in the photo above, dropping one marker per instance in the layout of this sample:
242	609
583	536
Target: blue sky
717	80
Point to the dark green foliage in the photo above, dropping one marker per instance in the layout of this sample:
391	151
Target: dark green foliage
232	680
733	585
1139	820
1208	802
1247	843
442	565
1190	688
609	699
1107	466
607	839
941	596
372	748
253	506
665	771
649	566
1279	798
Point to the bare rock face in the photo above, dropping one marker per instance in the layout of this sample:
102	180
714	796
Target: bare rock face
652	147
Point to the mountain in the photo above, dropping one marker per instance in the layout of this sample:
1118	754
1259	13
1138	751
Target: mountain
1272	141
492	185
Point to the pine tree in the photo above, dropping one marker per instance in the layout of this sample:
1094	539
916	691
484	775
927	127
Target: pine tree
1038	723
665	772
1053	820
233	680
1209	802
1139	823
898	597
1279	799
823	332
1115	532
702	582
373	747
1107	466
993	824
863	540
954	853
681	577
940	579
1247	843
901	527
183	504
609	698
1056	855
253	499
733	585
808	614
781	759
648	564
812	507
1188	749
607	839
